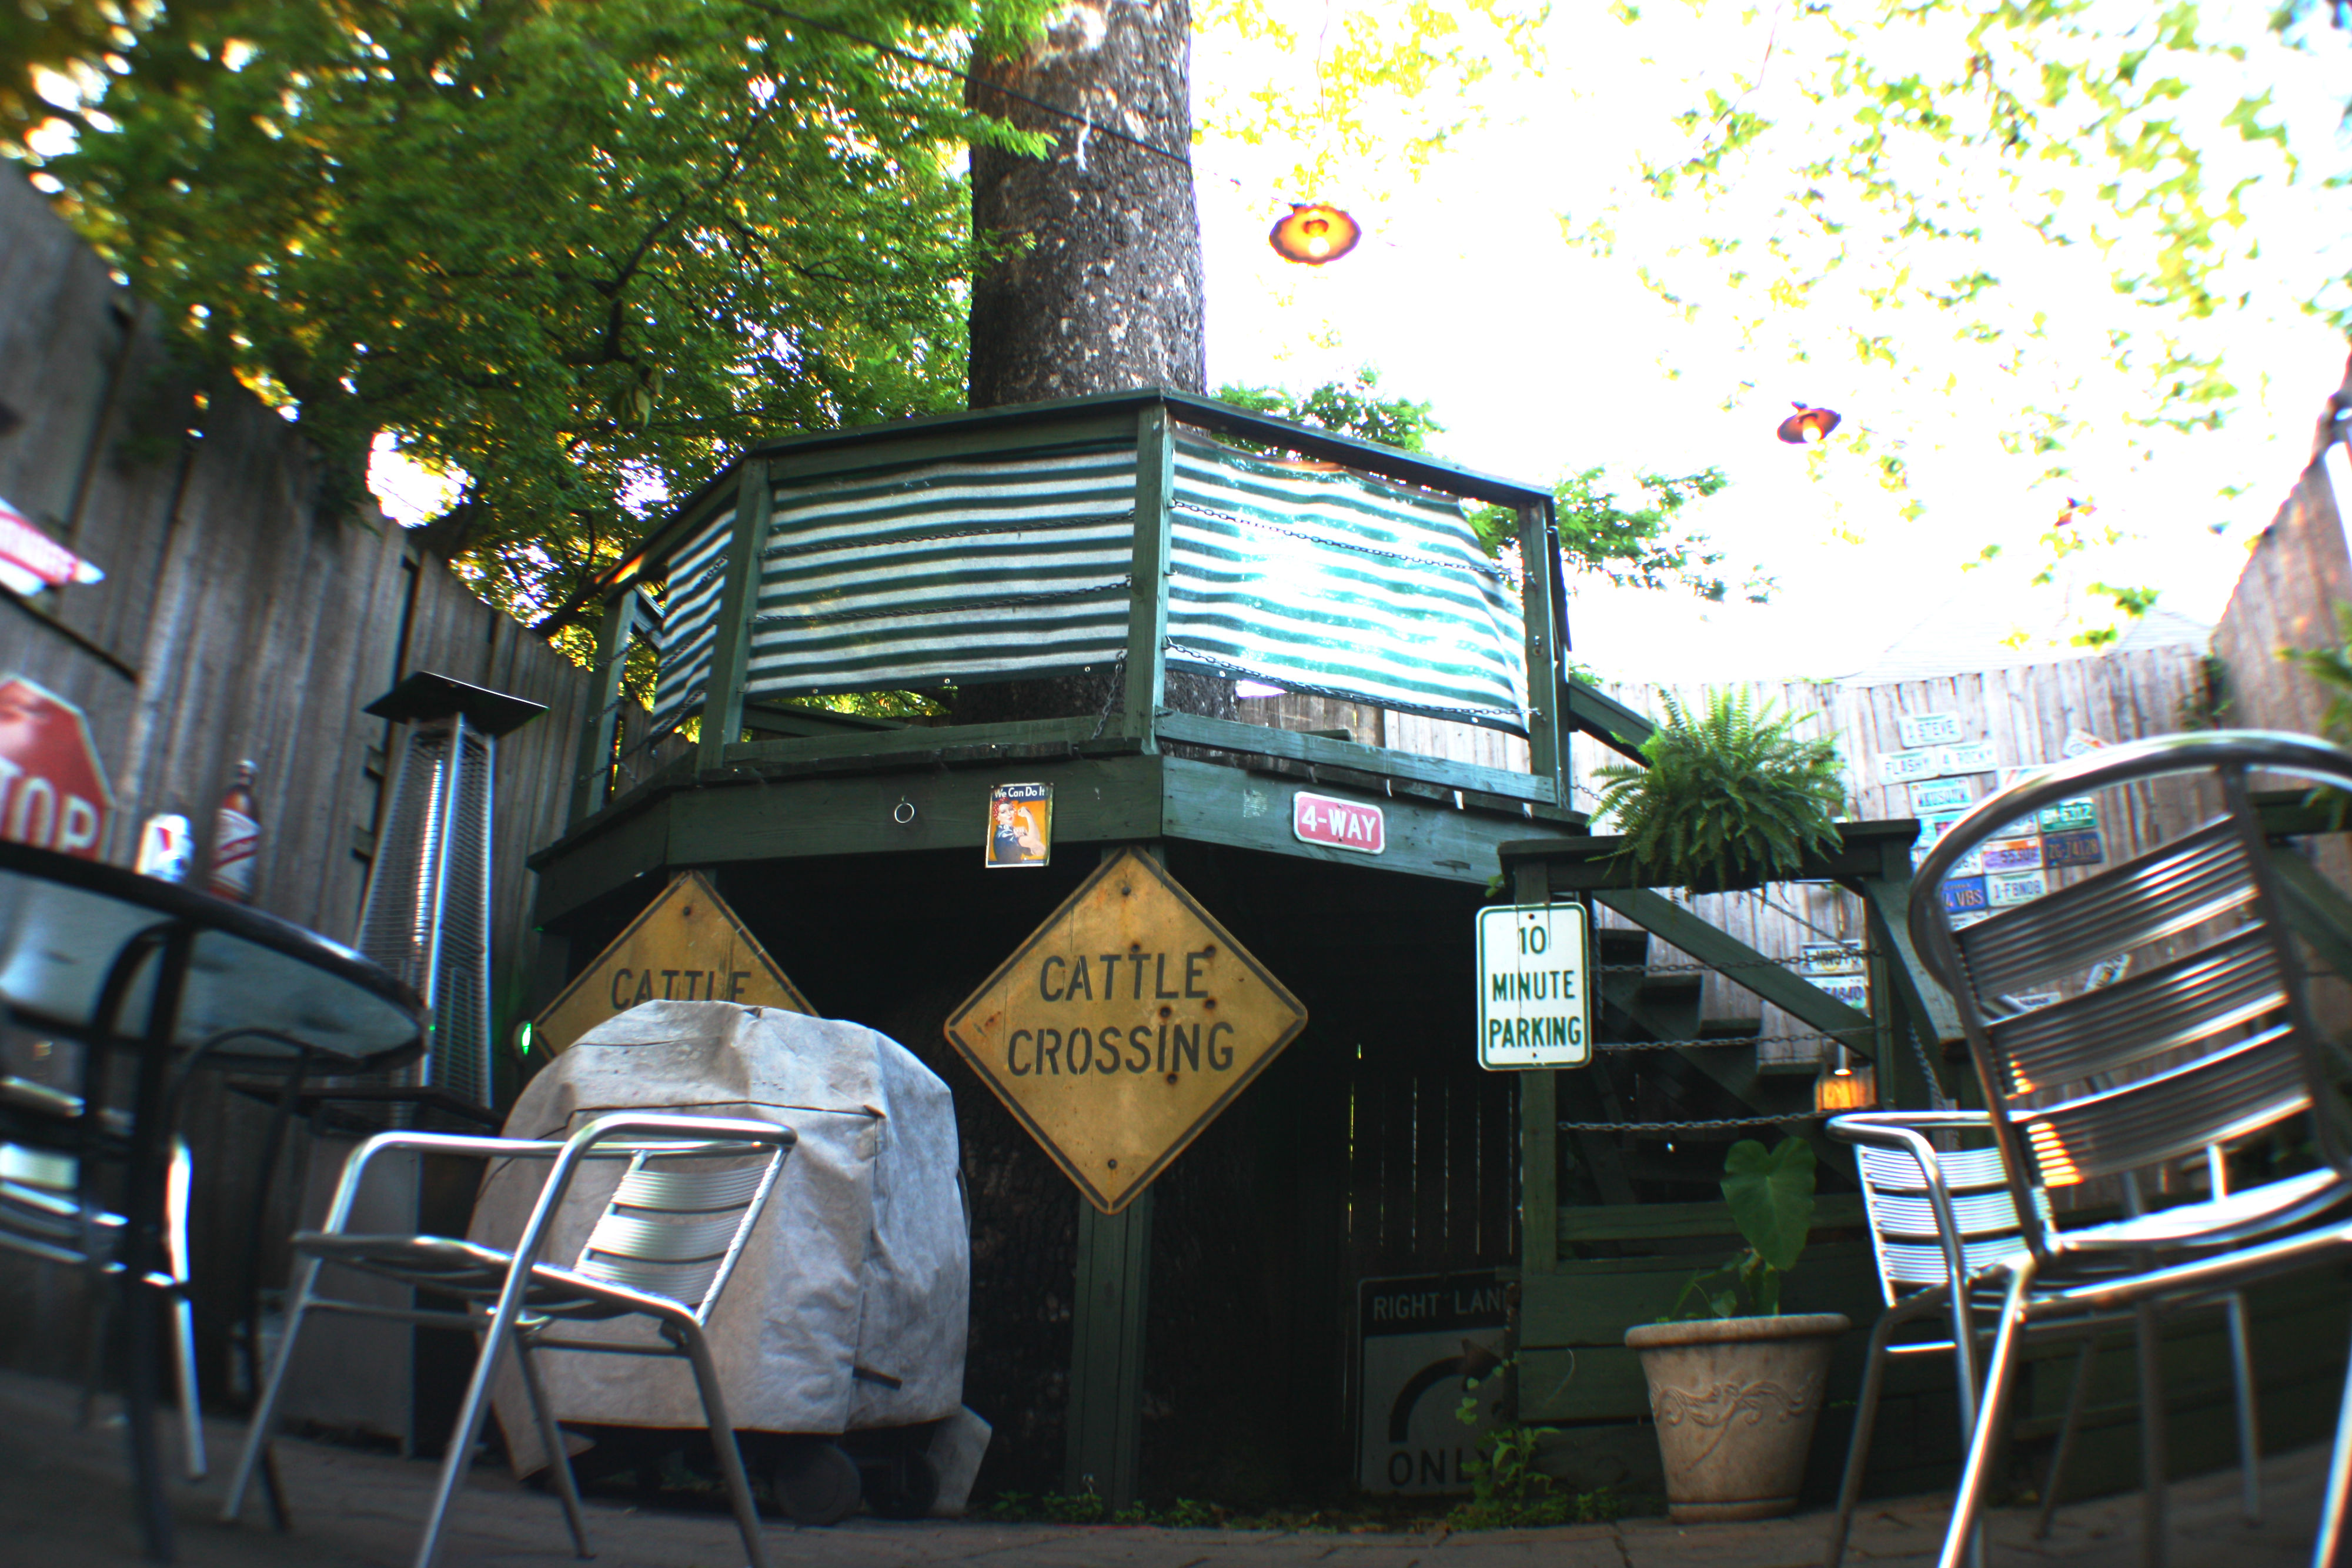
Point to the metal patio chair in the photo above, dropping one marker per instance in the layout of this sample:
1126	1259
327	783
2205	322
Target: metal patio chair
664	1246
2210	1040
47	1212
1937	1218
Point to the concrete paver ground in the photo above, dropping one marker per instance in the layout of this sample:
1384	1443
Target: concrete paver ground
65	1503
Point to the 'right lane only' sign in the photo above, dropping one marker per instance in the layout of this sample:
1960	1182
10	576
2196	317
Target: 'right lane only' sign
1532	1001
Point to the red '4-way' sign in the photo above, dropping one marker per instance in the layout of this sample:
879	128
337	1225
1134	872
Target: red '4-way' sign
1341	824
53	792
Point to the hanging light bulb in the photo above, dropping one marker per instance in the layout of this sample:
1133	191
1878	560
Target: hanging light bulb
1843	1087
1313	233
1808	425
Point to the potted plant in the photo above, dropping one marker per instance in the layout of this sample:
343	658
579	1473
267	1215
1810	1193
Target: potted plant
1736	1387
1730	794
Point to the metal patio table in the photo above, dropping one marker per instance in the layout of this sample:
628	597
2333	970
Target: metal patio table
172	980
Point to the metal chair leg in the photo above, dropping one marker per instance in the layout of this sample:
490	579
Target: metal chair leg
265	1414
1961	1536
1865	1423
2249	1435
469	1429
567	1487
2327	1550
2077	1397
184	1317
2155	1458
690	1339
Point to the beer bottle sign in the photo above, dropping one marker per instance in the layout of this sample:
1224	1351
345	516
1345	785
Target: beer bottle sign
236	834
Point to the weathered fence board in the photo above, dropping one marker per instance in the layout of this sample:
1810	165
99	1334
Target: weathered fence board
234	622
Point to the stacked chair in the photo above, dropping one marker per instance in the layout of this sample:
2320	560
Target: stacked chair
663	1245
2205	1047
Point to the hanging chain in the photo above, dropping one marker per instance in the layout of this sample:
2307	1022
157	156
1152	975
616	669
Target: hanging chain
1716	1125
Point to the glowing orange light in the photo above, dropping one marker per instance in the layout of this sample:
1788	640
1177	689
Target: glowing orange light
1844	1089
1808	425
1314	234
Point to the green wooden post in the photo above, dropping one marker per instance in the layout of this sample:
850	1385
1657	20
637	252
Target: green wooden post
1104	1431
1539	1120
1539	592
1146	619
738	600
1106	1418
592	774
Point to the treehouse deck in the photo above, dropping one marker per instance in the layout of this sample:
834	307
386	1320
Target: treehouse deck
1106	539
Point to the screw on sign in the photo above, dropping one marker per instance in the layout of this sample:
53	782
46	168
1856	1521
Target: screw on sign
53	790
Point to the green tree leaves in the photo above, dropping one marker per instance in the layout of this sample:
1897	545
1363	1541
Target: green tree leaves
580	254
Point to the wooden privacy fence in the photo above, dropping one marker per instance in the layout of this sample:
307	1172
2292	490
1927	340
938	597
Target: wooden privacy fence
2022	716
235	621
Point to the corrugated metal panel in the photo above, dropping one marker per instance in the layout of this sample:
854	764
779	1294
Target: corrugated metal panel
912	576
1306	577
1318	578
689	618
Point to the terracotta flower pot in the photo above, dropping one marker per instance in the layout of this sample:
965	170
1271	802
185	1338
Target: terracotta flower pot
1735	1401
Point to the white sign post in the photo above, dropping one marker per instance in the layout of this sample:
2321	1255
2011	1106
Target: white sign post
1534	1009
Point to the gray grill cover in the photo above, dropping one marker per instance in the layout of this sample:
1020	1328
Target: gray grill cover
861	1259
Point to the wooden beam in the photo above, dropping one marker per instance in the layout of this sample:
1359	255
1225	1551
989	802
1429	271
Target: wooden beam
798	723
591	772
1593	862
1105	1415
1208	803
1264	740
2317	910
888	745
1743	965
1603	717
1920	1005
1539	1127
1147	614
738	600
1540	612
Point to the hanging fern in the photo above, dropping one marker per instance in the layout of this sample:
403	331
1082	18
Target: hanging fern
1730	794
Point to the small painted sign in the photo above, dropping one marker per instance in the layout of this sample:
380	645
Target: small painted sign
1964	895
688	946
1534	1009
2069	816
30	560
53	788
1126	1024
1932	828
1341	824
2080	741
2080	847
1420	1340
2021	853
1974	758
1020	825
1931	729
2015	887
1942	795
1903	767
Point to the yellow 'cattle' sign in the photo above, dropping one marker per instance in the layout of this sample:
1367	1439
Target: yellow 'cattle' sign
1123	1026
688	946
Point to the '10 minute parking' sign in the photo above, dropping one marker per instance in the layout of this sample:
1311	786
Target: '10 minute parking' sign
1532	1002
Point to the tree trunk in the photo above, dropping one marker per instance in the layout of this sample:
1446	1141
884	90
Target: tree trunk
1103	290
1099	288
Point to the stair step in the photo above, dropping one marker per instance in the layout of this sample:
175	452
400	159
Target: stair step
1622	945
1732	1027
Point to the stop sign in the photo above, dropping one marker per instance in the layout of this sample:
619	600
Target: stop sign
53	792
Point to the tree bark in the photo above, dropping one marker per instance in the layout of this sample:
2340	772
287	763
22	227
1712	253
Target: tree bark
1102	288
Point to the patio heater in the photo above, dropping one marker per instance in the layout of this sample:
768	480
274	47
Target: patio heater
427	914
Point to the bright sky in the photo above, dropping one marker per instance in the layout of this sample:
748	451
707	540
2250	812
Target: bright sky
1542	359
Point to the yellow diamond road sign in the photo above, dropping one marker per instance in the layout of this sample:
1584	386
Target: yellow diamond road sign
688	946
1124	1027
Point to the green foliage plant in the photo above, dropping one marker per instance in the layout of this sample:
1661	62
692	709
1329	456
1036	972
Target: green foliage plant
1730	791
1772	1195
